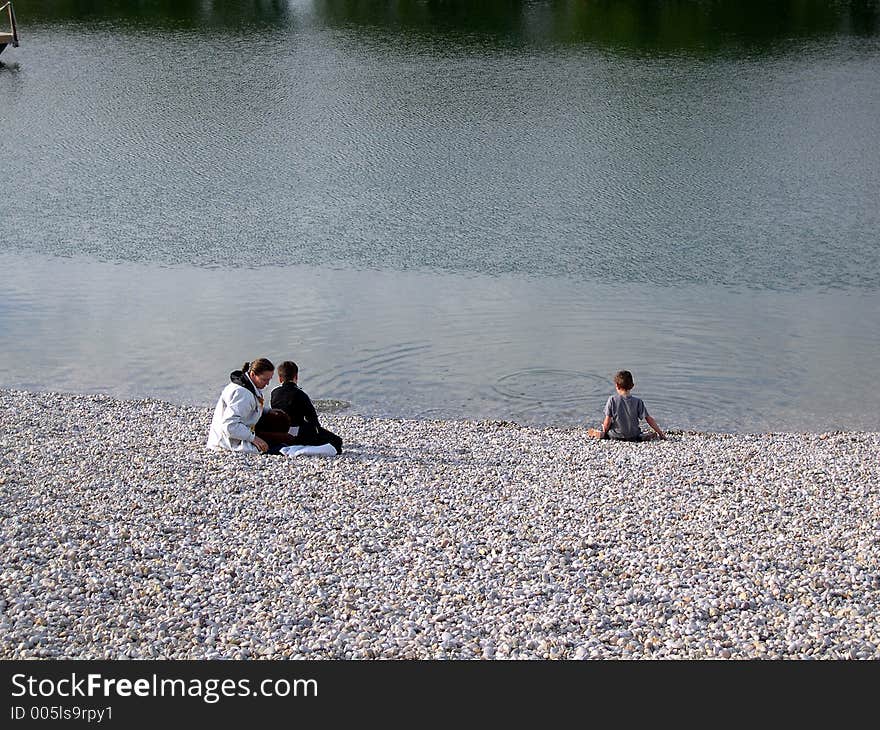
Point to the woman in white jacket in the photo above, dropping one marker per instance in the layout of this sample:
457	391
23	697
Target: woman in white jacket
239	408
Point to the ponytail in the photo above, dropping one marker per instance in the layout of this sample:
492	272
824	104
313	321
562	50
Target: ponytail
260	365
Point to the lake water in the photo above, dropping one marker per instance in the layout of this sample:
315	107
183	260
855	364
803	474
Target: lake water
448	211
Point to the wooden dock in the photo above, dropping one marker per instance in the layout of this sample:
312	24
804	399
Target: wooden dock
8	35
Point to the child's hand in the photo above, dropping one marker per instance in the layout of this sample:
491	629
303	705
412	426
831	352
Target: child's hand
594	433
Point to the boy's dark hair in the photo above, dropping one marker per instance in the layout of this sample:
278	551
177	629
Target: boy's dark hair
623	379
273	421
287	370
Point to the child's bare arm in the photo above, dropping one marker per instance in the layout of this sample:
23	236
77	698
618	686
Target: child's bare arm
596	433
653	424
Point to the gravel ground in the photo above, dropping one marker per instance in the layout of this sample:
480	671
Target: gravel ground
122	536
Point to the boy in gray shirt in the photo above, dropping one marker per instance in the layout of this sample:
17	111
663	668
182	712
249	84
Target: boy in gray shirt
623	413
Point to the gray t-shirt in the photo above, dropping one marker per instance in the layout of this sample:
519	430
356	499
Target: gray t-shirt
625	412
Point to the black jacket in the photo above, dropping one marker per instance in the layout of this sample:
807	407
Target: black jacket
295	403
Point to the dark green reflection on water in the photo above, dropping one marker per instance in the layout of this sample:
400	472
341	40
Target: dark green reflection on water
635	26
158	13
624	25
700	26
498	18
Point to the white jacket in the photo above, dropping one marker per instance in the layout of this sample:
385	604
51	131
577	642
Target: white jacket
236	414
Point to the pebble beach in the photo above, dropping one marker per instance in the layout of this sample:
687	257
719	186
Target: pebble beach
122	537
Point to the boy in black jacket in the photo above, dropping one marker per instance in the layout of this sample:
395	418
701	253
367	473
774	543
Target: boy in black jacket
304	425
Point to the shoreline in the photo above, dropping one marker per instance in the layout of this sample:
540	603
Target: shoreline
126	538
342	413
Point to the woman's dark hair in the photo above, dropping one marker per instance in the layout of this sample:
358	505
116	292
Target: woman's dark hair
260	365
287	371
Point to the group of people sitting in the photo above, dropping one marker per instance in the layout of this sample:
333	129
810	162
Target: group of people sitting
289	426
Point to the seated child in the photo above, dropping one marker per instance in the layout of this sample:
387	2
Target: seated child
304	425
274	428
623	412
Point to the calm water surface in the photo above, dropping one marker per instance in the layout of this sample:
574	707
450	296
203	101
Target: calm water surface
449	211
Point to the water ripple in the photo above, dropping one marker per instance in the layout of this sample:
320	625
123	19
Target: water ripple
543	162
